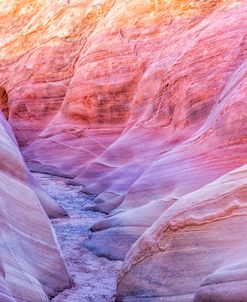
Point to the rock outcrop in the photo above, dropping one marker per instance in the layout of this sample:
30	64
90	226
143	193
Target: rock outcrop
141	102
196	246
31	267
12	163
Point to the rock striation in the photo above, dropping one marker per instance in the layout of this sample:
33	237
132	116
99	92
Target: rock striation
143	103
31	266
12	163
196	246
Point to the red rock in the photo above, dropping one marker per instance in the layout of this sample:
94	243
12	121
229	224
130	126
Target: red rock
142	103
4	102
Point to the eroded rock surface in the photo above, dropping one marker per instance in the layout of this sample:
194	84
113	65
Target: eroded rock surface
141	102
197	246
32	268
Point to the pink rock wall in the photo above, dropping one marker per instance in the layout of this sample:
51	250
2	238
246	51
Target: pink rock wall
196	250
142	103
26	232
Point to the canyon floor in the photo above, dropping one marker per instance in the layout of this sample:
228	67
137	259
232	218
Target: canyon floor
94	277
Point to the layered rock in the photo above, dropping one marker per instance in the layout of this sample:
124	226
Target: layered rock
187	128
142	103
32	268
12	163
196	250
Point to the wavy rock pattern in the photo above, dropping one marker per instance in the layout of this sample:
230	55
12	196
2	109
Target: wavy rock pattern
198	240
26	233
142	103
13	164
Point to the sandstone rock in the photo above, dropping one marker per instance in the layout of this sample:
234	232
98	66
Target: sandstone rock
31	267
196	246
141	102
138	107
4	102
168	153
13	164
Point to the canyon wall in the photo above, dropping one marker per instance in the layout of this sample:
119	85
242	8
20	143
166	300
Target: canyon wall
26	232
196	246
142	102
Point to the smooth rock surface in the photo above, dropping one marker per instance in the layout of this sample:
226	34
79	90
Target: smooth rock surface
196	250
12	163
32	268
141	102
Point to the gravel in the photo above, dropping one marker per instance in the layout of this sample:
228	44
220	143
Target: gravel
94	277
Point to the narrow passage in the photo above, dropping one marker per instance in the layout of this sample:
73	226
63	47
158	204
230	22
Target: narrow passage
94	277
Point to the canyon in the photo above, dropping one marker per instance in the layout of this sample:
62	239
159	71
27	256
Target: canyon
141	106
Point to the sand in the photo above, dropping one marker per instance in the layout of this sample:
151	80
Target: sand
94	277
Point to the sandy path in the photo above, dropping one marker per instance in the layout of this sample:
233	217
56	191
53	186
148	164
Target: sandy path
94	277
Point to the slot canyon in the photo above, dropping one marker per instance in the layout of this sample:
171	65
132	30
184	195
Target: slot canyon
123	151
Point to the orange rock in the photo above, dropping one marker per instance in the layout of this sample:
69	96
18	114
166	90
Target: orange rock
142	103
